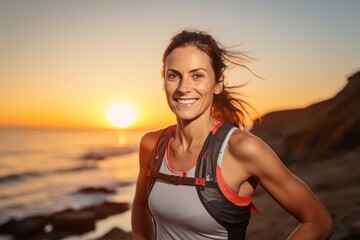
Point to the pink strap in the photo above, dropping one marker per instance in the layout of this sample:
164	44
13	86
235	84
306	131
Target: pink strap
229	193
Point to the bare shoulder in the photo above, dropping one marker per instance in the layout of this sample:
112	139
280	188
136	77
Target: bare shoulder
245	145
147	145
252	152
149	140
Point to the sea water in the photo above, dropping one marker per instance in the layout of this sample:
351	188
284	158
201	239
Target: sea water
42	171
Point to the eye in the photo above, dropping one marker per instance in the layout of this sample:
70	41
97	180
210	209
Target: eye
198	76
172	76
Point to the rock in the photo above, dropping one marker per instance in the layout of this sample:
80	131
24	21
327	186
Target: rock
90	190
73	221
6	228
116	234
318	131
29	227
108	208
61	224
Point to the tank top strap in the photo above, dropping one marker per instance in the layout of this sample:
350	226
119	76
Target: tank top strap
222	149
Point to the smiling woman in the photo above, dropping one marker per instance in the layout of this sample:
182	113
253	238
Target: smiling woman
197	178
122	116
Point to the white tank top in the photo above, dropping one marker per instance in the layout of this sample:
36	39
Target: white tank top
178	211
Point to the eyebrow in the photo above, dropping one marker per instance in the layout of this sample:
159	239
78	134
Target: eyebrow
198	69
175	71
191	71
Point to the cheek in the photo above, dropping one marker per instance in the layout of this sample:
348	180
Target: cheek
171	85
167	88
207	89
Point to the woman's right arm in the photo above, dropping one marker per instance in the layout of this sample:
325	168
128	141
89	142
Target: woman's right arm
141	219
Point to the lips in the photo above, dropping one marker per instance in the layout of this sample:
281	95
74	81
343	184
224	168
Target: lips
186	101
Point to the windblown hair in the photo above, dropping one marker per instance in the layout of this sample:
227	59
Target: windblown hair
228	105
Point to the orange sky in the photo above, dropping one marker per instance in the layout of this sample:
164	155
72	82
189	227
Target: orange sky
64	64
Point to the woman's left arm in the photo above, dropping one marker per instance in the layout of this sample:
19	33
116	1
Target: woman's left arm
286	189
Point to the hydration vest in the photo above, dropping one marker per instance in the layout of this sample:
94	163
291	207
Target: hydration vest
232	217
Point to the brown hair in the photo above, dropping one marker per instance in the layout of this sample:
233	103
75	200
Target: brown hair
227	106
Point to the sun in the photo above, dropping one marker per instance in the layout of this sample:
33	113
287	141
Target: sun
122	116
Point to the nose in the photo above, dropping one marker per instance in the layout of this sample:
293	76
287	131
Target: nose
184	85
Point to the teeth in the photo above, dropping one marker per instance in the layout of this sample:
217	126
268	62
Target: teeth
186	101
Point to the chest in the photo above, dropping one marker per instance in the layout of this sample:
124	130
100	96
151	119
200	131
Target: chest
177	209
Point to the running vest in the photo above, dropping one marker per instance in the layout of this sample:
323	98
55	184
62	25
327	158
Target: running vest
232	217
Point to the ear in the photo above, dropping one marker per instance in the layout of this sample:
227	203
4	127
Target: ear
219	87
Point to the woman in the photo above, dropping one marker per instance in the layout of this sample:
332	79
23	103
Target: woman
196	179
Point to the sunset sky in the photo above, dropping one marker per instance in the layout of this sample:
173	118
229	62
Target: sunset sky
67	63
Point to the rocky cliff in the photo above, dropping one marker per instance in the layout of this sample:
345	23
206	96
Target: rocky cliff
317	131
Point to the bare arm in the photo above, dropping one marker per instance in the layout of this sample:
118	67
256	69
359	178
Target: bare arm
141	219
285	188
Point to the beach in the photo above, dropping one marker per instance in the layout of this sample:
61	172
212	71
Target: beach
86	174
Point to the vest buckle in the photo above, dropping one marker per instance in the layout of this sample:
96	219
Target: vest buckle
176	179
200	182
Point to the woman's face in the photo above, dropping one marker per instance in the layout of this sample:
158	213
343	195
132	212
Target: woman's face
190	83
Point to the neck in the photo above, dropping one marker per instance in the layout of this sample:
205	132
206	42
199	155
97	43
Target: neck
192	133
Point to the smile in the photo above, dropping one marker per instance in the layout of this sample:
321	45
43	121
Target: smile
186	101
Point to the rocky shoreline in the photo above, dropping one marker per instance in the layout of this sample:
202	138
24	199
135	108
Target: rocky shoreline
64	223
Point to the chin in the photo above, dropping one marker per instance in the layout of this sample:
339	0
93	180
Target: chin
187	117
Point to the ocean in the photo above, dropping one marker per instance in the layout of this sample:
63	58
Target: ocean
42	171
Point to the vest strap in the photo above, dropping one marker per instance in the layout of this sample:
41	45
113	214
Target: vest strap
178	180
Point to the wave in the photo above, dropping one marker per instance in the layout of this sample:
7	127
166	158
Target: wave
101	154
18	176
75	169
98	154
28	175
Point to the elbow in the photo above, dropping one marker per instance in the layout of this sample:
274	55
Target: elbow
321	228
328	228
325	228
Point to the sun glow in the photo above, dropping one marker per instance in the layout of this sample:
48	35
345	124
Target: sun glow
122	116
